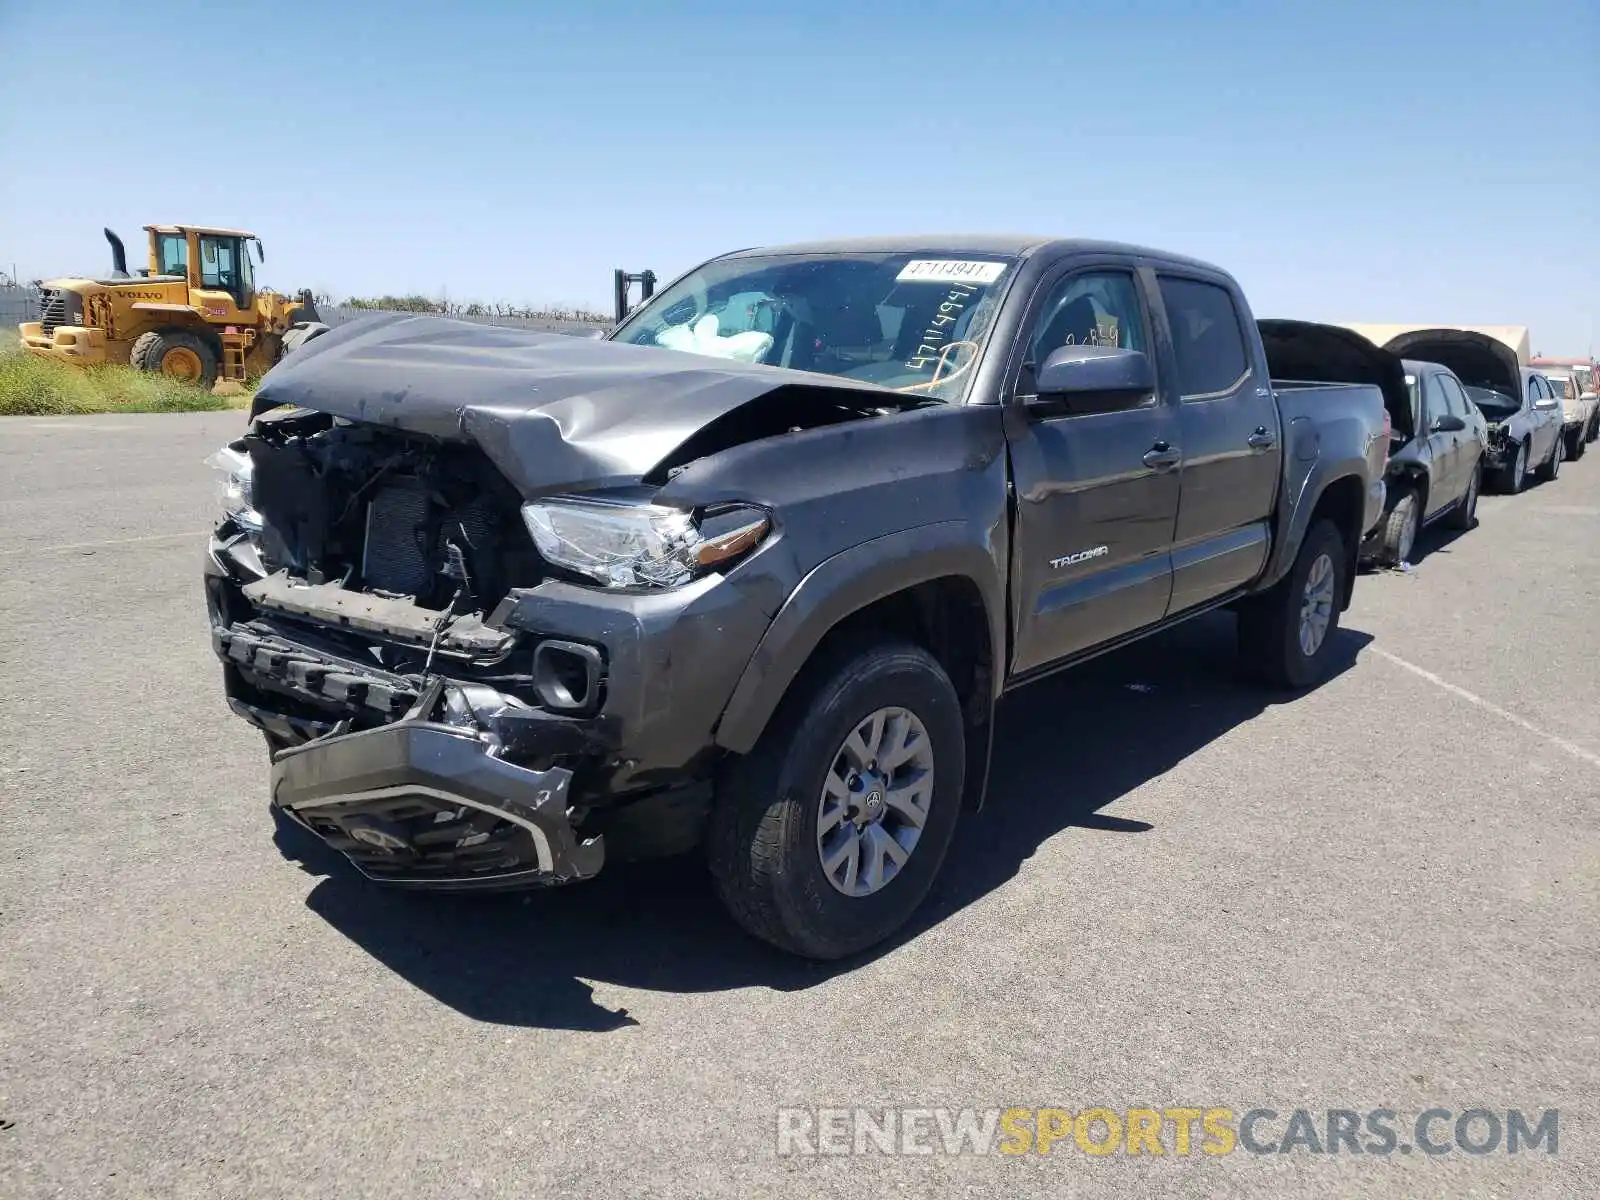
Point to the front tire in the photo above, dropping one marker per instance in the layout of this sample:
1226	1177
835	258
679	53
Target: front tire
1286	636
1514	474
177	355
1400	529
781	829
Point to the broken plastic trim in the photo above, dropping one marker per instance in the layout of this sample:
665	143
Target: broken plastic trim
400	618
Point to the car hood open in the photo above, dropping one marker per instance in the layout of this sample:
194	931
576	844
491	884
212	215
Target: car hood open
552	409
1309	352
1477	359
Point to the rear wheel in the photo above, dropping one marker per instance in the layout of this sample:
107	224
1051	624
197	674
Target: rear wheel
825	838
1592	431
1577	443
1551	467
1286	636
1465	514
177	355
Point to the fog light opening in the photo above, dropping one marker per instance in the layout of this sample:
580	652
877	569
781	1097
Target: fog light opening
566	676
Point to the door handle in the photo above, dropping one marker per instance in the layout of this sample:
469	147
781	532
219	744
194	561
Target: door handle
1262	439
1163	457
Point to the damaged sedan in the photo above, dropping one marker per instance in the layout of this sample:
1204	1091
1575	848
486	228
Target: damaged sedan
751	574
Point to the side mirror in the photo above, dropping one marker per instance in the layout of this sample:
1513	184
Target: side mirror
1094	378
1545	405
1589	396
1449	423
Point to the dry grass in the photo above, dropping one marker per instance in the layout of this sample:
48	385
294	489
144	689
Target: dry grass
34	386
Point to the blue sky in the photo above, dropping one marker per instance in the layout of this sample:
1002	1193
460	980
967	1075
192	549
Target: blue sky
1348	161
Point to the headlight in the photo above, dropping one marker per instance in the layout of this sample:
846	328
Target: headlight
234	468
634	545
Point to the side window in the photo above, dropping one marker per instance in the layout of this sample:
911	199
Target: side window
1100	308
1206	338
173	251
1433	401
1454	398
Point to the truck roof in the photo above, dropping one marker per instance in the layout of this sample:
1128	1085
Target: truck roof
1010	245
198	229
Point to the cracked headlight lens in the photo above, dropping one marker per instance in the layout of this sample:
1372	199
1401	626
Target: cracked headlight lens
640	545
233	469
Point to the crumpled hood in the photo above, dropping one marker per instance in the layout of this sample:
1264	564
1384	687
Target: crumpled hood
547	408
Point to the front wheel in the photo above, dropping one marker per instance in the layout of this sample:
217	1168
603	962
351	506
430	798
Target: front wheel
177	354
1515	473
1400	530
826	837
1286	635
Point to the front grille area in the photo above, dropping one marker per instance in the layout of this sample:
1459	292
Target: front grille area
52	309
417	838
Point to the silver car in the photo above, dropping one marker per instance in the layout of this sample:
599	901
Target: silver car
1523	433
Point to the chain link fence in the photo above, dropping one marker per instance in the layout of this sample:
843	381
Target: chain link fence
17	304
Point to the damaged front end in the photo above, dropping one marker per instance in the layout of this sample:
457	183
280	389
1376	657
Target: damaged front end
484	599
348	587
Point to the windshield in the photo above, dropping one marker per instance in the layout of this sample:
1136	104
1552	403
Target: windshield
913	323
1497	406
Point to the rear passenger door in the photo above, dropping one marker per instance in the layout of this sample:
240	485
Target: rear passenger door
1228	429
1096	481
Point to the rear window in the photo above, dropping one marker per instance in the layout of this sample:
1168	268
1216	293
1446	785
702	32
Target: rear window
1206	338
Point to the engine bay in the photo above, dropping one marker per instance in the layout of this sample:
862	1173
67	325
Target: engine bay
394	514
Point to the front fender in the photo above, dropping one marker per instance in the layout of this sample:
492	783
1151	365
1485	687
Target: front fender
847	583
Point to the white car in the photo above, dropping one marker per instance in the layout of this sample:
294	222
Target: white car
1580	411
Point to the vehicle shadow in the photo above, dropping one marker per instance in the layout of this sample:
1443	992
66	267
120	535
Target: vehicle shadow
1066	748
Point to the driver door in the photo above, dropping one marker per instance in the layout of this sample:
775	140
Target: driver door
226	293
1096	485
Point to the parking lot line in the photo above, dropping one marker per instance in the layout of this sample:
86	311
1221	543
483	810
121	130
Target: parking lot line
1473	698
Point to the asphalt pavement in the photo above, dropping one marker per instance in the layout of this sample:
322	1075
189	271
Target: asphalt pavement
1381	894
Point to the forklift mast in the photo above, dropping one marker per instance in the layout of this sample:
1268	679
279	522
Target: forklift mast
623	282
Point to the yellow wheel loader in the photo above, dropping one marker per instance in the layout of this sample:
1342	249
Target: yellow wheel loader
194	314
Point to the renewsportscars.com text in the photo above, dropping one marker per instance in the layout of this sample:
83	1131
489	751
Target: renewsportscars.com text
1176	1130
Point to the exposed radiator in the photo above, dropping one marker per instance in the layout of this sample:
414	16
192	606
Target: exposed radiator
397	557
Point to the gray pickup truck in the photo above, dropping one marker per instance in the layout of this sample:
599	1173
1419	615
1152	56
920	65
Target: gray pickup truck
751	573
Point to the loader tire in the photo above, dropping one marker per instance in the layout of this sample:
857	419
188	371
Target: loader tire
177	355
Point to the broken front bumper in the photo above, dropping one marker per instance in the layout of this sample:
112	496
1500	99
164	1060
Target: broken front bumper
422	804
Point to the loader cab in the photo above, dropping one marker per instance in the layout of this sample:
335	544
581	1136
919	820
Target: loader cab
216	263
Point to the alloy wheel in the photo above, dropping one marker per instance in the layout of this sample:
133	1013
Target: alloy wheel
1316	605
874	801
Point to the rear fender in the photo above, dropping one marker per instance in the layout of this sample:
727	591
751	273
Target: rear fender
1306	482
